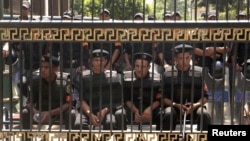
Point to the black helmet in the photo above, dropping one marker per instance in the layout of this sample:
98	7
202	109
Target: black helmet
246	69
216	70
12	58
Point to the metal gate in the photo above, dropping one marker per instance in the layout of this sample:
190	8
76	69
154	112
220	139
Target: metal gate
25	39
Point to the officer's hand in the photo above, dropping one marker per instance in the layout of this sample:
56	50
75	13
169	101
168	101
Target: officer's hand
183	109
238	68
128	68
42	117
94	120
188	104
101	115
137	117
214	56
146	115
209	51
45	117
5	53
5	49
189	110
190	107
180	107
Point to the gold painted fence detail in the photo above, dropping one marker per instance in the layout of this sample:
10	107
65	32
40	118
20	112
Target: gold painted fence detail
96	136
121	34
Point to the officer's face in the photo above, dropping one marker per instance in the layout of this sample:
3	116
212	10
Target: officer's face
212	18
141	68
167	18
177	18
25	11
242	17
138	18
66	19
98	64
45	70
104	16
183	61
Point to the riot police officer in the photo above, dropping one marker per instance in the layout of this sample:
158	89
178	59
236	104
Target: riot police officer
101	102
49	96
183	95
142	93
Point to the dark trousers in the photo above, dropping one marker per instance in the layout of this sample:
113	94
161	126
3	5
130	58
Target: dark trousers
116	121
67	120
200	116
159	118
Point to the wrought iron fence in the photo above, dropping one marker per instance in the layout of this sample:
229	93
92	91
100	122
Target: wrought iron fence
219	38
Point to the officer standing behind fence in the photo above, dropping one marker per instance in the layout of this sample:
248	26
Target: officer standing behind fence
184	90
167	16
48	97
176	16
101	103
26	8
142	94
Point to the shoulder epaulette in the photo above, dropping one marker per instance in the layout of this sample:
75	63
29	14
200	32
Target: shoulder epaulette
63	75
171	71
36	73
155	76
62	82
110	74
195	71
86	73
129	76
62	78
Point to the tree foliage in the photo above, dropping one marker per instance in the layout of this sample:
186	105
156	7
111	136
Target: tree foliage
125	9
222	5
227	9
119	9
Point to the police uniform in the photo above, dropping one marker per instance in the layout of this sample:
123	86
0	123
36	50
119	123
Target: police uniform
102	90
185	86
106	80
142	92
46	96
27	5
